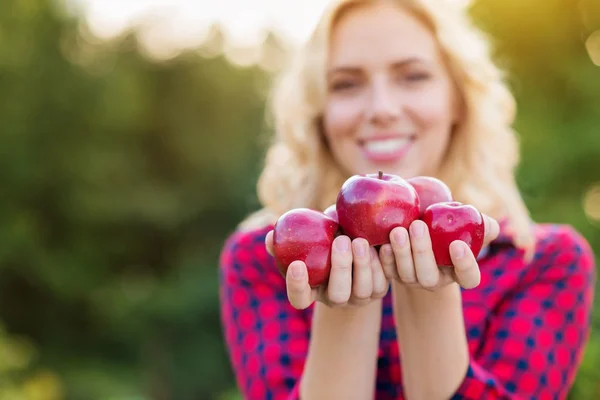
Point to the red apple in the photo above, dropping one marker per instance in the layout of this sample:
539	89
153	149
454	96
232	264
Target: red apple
370	206
452	221
306	235
430	190
331	212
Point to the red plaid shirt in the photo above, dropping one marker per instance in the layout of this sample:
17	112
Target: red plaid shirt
527	324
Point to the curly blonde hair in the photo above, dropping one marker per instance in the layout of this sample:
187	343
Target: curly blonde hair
479	166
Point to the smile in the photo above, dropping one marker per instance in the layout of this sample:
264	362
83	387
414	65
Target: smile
386	149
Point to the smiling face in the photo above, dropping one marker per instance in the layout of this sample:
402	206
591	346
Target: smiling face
391	103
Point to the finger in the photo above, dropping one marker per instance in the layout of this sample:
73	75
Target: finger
362	277
426	268
380	282
466	268
340	277
269	242
299	291
388	262
403	255
316	293
492	229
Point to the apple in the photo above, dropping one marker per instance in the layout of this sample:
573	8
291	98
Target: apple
331	212
450	221
370	206
430	191
306	235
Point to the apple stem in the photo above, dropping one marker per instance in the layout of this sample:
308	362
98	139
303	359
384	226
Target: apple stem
380	174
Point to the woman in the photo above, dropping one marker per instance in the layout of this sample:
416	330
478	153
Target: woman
406	87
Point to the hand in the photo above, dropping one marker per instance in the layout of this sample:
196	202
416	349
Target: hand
356	276
409	258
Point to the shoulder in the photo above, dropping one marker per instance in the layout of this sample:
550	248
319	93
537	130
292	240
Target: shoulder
249	235
244	244
554	243
244	253
563	260
562	244
561	254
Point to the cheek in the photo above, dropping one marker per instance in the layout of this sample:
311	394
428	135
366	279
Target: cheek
434	109
342	117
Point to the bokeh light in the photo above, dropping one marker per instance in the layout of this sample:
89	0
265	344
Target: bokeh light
592	45
591	203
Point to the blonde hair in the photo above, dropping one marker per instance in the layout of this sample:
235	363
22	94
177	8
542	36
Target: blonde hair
480	162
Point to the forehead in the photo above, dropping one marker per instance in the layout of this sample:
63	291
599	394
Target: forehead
380	33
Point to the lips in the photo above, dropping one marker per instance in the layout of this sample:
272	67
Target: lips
386	149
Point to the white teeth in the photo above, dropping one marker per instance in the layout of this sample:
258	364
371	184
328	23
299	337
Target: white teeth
385	146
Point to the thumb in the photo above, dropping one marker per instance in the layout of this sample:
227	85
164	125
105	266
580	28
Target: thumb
300	294
269	242
492	229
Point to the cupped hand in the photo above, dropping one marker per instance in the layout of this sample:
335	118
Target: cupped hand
410	260
356	278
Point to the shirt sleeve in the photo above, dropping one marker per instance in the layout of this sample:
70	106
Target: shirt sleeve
267	339
536	339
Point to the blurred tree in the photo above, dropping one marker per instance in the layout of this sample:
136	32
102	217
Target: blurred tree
122	176
18	380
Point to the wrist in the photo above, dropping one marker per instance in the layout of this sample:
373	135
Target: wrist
348	313
446	296
424	309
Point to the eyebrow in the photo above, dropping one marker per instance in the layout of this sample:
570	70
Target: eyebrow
395	65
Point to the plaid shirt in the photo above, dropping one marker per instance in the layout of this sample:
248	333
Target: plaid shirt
527	323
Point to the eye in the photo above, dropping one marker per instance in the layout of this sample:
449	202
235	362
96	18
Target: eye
341	85
417	76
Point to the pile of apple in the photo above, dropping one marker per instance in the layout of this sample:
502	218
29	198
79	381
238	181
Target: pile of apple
370	206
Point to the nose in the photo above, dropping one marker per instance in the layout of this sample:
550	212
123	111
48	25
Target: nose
383	107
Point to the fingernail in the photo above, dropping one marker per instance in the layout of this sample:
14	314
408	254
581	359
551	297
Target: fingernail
360	249
342	244
399	237
387	251
297	271
417	230
459	250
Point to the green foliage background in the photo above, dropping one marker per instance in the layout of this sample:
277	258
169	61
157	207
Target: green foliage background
121	176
